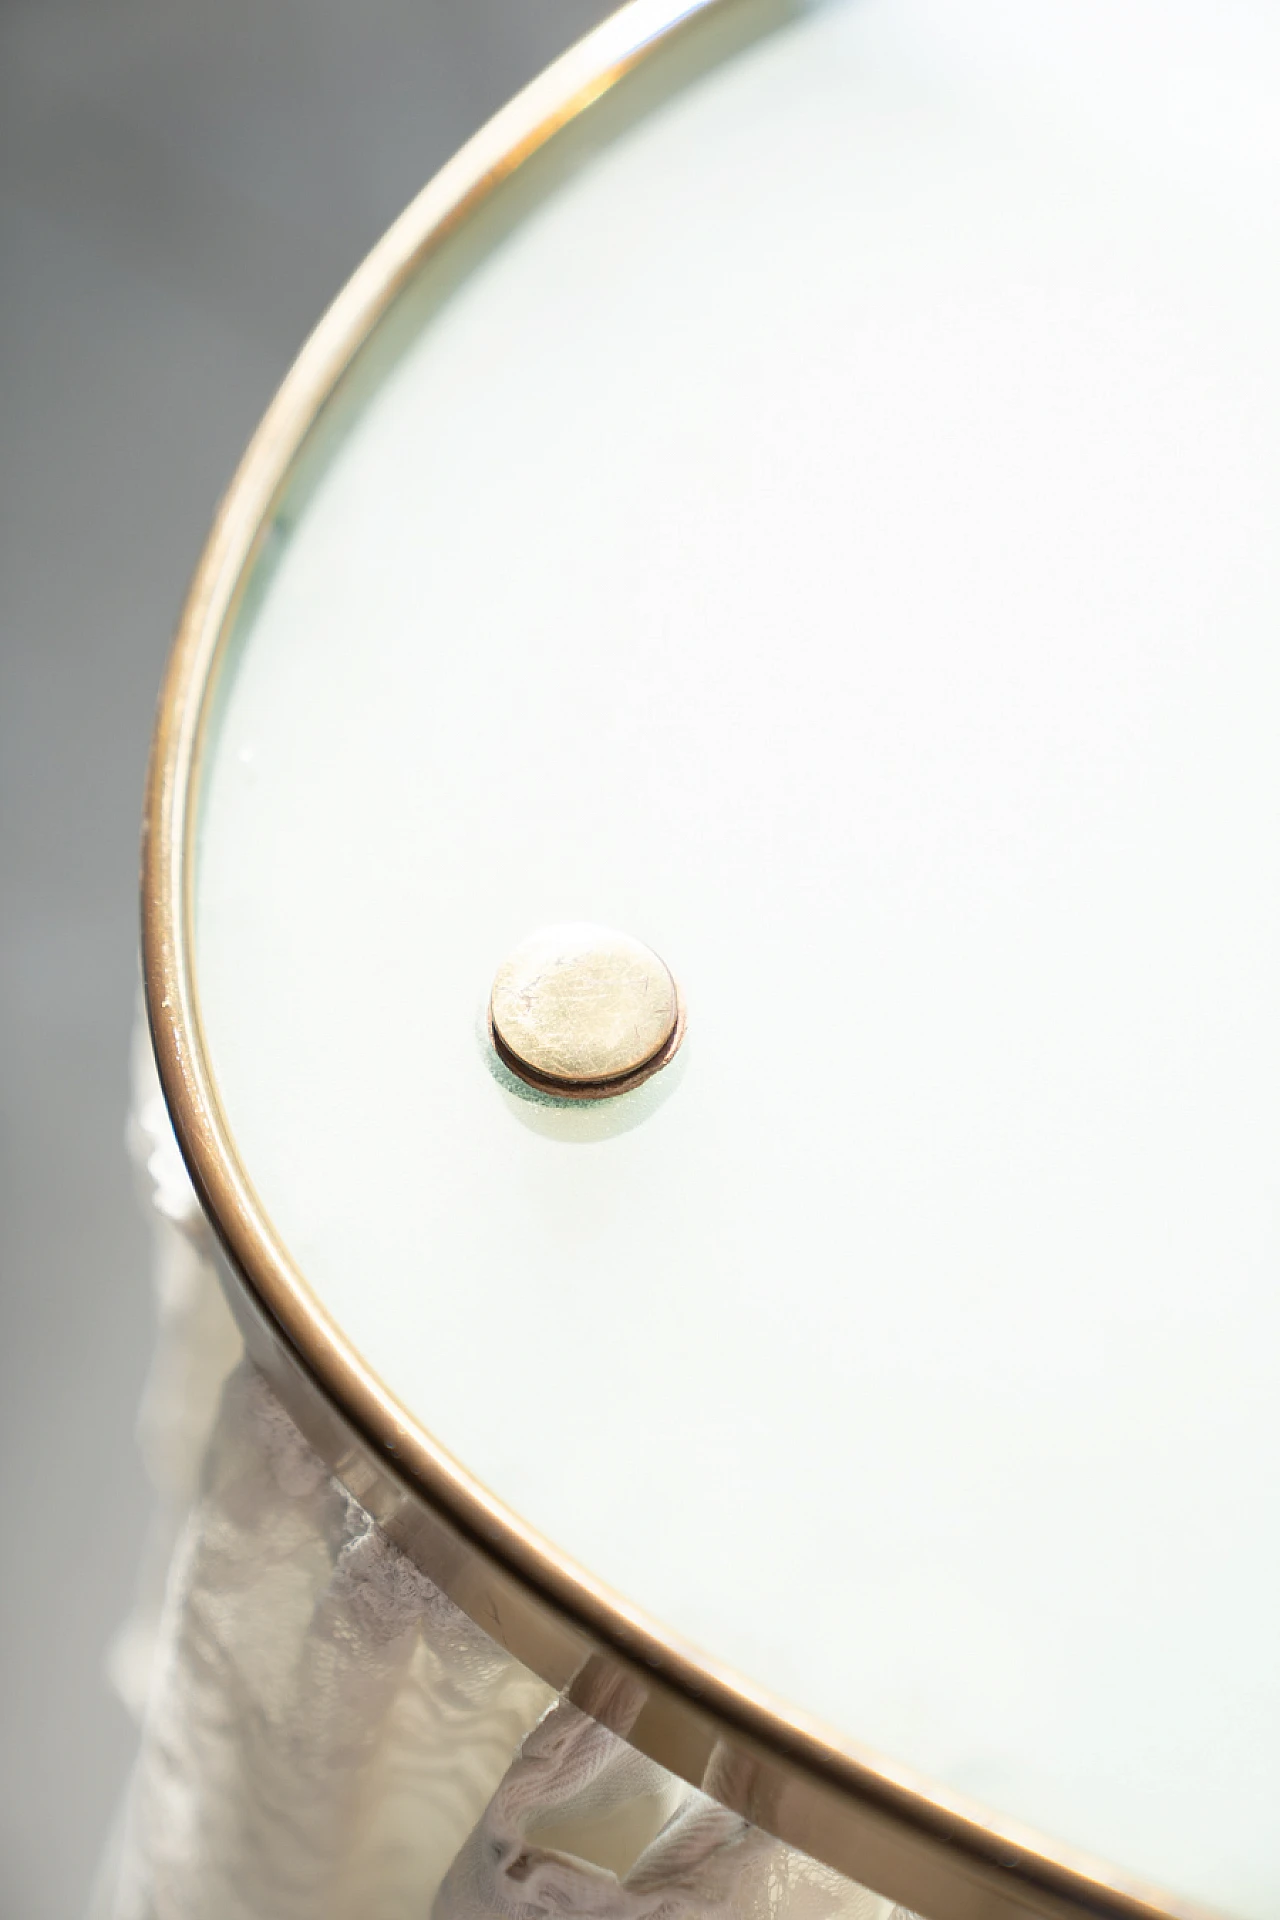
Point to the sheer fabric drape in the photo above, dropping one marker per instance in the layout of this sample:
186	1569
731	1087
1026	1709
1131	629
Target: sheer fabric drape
324	1736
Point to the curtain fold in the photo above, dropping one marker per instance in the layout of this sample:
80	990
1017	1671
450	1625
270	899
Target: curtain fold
324	1735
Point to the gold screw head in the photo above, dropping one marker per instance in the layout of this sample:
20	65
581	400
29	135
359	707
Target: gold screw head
584	1012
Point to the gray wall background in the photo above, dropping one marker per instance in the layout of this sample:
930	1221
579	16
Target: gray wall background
183	185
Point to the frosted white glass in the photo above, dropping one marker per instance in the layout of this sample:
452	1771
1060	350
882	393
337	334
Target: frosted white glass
834	539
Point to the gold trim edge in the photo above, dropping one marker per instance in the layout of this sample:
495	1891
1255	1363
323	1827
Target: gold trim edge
879	1823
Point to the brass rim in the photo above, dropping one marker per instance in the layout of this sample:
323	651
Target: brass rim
877	1822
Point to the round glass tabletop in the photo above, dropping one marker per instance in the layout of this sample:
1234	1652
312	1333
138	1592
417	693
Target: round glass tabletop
825	530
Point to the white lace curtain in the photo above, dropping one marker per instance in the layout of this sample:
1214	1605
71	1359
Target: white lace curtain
324	1736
